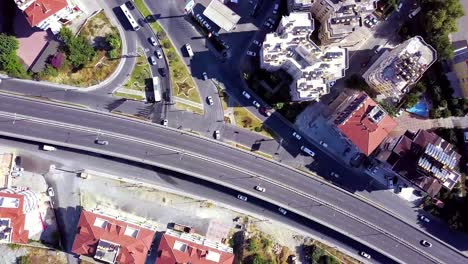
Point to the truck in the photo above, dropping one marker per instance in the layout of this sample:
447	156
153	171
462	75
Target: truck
48	148
415	12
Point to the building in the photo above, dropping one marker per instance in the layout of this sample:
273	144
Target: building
342	21
363	122
299	5
313	69
424	159
177	247
460	68
48	14
392	74
221	15
12	219
110	240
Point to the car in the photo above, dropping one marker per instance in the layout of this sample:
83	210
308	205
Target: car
296	135
162	71
209	99
275	9
130	5
399	7
323	143
189	49
282	210
256	104
158	54
364	254
50	192
425	243
268	25
18	169
251	53
152	60
308	151
152	41
271	20
260	188
242	197
198	16
374	171
425	219
390	183
217	134
246	94
207	26
334	174
16	173
205	76
165	122
101	142
256	42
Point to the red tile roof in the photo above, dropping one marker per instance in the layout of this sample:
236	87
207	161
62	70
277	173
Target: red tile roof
132	250
17	218
356	125
42	9
194	253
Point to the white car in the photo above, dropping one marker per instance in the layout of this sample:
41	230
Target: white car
282	210
251	53
209	99
296	135
101	142
364	254
425	219
246	94
256	42
152	41
158	54
152	60
425	243
217	134
268	25
334	174
164	122
260	188
256	104
50	192
275	9
205	76
242	197
16	173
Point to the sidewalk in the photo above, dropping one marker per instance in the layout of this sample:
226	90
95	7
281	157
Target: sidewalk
410	122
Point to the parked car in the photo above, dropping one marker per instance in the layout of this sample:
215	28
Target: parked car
256	42
165	122
152	41
50	192
251	53
130	5
246	94
425	243
256	104
275	9
152	60
260	188
16	173
209	100
364	254
268	25
323	143
296	135
189	50
308	151
162	71
271	20
242	197
425	219
282	210
334	174
217	134
158	54
205	76
101	142
18	168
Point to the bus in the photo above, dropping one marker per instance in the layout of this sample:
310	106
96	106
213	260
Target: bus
129	17
157	89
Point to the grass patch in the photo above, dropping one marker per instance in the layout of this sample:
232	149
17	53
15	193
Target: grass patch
189	108
101	67
129	96
182	82
140	73
247	120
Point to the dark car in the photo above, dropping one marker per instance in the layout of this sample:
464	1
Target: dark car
130	5
162	71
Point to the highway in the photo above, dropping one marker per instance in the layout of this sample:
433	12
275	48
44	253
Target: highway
219	163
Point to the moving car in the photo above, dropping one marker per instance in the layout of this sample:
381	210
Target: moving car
158	54
242	197
364	254
297	136
209	99
251	53
256	104
282	210
165	122
50	192
152	41
217	134
152	60
425	243
246	94
205	76
260	188
101	142
425	219
48	148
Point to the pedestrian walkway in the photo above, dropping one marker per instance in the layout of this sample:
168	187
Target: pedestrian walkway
187	102
409	122
131	91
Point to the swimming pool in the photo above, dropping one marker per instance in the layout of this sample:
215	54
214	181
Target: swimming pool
420	108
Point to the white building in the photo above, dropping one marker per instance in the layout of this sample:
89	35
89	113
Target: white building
395	70
48	14
342	21
313	69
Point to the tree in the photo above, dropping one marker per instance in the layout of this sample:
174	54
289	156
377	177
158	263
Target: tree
66	35
458	112
77	48
113	40
257	259
446	113
316	254
9	61
443	104
411	100
278	106
253	244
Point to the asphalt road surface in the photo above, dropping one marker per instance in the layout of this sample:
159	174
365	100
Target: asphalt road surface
222	164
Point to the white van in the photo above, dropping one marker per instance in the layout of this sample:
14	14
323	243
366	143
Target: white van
48	148
308	151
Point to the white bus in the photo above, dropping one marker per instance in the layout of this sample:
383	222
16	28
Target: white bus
130	18
157	89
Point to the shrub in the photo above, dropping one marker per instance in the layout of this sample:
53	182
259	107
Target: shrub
253	244
57	60
113	54
9	61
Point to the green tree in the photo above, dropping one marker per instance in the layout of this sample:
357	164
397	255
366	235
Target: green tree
443	104
278	106
66	35
446	113
458	112
257	259
411	100
253	244
77	48
113	40
9	61
316	254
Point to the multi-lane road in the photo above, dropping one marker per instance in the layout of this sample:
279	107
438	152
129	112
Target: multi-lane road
219	163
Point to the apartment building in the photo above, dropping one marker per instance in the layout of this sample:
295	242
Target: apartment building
299	5
424	159
48	14
12	219
342	21
313	69
395	71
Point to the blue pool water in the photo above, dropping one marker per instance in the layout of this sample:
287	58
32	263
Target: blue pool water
420	108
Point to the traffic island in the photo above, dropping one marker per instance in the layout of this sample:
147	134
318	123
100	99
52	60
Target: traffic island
135	87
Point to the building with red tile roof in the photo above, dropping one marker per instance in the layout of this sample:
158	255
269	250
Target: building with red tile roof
110	240
176	247
12	219
363	122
